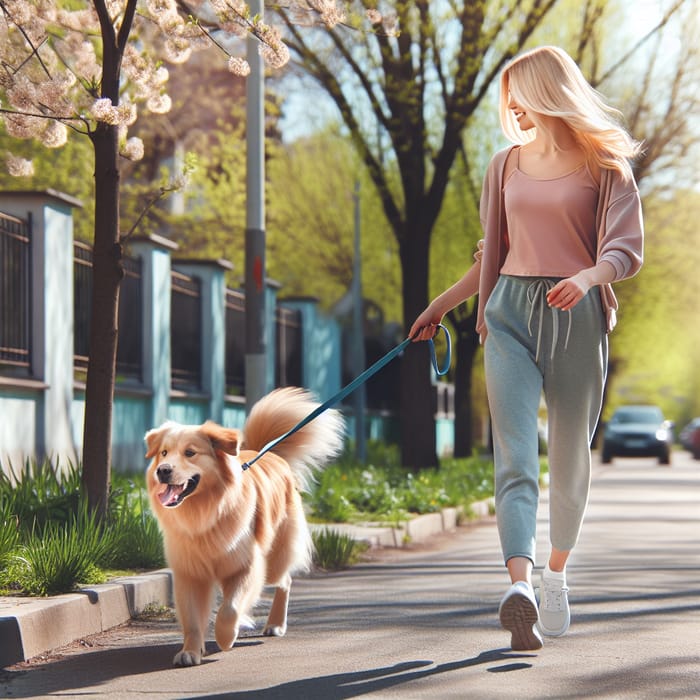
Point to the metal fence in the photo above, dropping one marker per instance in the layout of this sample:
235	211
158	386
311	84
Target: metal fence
82	296
288	364
130	339
235	342
185	332
15	296
288	347
130	346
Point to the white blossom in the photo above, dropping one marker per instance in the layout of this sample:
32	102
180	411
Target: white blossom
55	135
331	14
127	113
51	60
22	94
23	126
19	167
163	11
275	56
132	149
238	66
177	50
159	104
160	76
374	16
104	111
179	181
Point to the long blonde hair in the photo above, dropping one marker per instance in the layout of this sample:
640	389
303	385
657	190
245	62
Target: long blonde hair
546	80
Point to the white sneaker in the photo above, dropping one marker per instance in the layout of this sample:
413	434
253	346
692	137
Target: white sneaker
518	614
555	615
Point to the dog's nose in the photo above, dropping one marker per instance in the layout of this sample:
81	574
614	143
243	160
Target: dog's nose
163	473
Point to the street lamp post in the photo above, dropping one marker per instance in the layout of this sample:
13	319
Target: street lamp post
255	272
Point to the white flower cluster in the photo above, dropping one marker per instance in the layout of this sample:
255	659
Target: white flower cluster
51	56
19	167
329	12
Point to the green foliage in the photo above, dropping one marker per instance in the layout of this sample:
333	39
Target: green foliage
311	224
351	492
209	221
654	347
334	550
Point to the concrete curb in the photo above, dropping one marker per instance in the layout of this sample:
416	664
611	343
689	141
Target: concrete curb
33	626
418	529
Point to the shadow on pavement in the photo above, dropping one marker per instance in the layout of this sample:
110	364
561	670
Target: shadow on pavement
94	669
358	683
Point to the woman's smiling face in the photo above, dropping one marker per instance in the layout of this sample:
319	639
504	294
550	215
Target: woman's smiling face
521	116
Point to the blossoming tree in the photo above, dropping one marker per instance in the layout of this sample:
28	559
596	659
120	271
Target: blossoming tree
89	67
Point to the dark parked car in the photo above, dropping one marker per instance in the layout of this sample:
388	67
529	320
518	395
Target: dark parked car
638	431
690	437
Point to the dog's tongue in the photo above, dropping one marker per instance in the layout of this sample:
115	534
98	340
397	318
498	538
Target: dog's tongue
170	494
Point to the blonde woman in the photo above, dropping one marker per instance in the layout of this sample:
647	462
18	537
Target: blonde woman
562	220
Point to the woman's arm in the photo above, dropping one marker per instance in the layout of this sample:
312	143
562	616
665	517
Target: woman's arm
425	326
568	292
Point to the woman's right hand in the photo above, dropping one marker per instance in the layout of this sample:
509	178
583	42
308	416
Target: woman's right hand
425	326
479	250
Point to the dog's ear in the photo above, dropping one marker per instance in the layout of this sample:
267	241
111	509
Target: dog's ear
154	437
227	440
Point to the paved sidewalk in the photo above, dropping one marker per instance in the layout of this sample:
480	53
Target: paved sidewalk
33	626
423	623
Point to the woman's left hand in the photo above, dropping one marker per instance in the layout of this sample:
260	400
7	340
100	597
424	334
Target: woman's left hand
567	293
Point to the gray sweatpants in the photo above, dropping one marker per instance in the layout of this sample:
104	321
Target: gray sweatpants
531	348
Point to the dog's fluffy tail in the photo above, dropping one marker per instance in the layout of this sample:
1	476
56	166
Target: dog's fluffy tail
308	449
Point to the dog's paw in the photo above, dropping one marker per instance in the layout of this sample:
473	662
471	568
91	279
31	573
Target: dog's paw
186	657
226	629
275	631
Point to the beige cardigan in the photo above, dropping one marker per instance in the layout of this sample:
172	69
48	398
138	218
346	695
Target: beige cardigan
618	221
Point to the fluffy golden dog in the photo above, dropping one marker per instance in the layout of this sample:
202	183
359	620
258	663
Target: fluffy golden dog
239	529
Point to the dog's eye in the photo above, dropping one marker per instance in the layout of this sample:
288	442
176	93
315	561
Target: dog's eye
163	453
189	453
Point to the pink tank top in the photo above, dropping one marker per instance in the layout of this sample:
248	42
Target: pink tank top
551	223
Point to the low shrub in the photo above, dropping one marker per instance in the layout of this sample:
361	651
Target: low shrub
334	550
57	556
348	492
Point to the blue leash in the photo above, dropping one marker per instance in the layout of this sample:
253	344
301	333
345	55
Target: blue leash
440	371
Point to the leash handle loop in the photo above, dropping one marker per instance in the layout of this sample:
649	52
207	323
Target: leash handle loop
441	371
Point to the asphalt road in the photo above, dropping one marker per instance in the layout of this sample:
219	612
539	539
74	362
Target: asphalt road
423	623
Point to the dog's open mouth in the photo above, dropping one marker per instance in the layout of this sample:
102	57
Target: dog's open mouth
173	495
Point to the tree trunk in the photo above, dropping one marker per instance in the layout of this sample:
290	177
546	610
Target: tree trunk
466	347
417	412
107	275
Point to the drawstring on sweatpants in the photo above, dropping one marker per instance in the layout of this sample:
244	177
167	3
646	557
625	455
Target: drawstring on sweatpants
537	296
